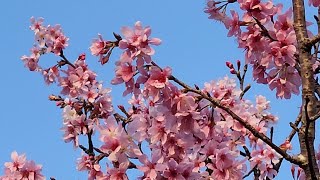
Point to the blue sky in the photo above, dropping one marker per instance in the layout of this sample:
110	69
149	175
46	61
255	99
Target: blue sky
195	47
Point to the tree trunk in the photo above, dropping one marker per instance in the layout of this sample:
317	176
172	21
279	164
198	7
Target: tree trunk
307	130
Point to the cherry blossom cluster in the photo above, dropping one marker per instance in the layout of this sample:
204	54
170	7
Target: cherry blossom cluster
267	35
174	132
48	39
136	57
86	100
20	168
188	138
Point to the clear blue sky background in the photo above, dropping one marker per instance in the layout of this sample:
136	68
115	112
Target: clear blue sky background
195	47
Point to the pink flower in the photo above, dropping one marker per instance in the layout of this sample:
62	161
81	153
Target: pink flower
50	37
233	25
262	103
36	24
259	73
220	174
286	81
151	169
31	171
270	172
284	49
286	145
137	40
78	81
50	75
315	3
103	105
138	127
159	78
125	71
18	161
285	21
20	168
31	62
257	9
70	134
224	158
99	46
119	173
173	171
60	43
214	12
84	163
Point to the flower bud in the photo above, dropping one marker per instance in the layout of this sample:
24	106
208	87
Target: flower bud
121	107
117	36
82	56
238	64
229	64
233	71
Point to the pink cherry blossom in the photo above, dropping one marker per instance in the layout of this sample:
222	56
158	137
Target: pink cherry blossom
233	24
51	75
159	78
151	169
137	40
257	9
36	24
214	11
99	46
284	22
77	81
174	171
30	62
18	161
21	168
284	49
315	3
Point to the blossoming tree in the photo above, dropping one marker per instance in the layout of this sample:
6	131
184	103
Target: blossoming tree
212	132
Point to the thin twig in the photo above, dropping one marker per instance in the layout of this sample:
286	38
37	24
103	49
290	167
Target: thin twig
65	60
290	137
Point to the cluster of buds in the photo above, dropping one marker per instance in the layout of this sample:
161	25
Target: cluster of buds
231	67
103	48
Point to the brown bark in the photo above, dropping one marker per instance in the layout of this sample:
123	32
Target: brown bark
307	130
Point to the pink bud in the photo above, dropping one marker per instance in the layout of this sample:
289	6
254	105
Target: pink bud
299	172
121	107
293	169
286	145
238	63
104	59
233	71
52	97
82	56
229	64
91	157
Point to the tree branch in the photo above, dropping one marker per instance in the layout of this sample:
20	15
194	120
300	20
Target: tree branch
306	139
250	128
290	137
